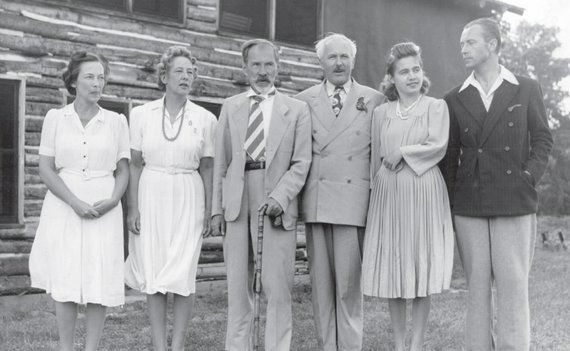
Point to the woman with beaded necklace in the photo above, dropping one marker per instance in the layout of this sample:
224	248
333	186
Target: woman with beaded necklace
408	244
169	196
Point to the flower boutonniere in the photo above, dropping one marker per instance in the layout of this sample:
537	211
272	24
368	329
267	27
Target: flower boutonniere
360	105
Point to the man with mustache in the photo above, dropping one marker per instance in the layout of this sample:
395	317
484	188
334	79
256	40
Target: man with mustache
335	197
499	142
262	157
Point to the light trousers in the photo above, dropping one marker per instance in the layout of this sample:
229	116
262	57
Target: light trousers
278	262
335	262
499	250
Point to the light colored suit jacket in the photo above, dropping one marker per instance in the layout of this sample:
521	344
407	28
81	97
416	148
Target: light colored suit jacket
338	187
288	156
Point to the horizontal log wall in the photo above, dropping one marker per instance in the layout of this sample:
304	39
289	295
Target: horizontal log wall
14	256
36	39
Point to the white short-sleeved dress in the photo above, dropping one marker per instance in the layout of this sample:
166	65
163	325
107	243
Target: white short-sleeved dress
408	244
164	256
75	259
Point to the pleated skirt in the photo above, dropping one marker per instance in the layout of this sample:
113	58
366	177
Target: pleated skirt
164	256
75	259
408	244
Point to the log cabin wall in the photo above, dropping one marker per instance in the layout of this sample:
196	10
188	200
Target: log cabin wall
36	40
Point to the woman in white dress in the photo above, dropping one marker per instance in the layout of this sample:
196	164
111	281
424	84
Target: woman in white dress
77	254
172	149
408	244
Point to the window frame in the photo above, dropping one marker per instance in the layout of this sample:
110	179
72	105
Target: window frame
272	20
21	115
127	12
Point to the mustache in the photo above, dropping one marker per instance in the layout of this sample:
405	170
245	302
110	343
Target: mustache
263	79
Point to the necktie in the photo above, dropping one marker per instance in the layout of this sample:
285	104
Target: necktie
336	103
254	145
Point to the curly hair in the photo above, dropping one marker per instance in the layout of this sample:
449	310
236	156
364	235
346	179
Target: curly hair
74	66
398	52
166	59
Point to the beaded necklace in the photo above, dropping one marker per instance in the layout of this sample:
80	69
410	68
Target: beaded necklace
164	120
404	115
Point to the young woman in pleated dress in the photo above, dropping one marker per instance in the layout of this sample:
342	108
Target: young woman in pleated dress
172	149
77	255
408	245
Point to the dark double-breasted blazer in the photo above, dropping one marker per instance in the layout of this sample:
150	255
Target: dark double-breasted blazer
489	152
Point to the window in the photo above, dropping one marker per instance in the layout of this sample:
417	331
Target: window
107	4
296	21
210	106
289	21
12	100
165	8
238	17
171	9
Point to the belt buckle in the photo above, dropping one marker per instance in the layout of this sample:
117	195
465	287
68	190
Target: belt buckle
86	175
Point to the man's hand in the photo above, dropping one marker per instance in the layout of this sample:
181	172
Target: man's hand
218	225
273	209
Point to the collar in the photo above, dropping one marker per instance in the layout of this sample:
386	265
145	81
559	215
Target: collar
269	94
160	105
504	74
69	110
330	87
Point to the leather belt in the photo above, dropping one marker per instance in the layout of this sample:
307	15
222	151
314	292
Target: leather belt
252	165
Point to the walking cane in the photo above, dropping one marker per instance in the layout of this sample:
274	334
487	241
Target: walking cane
257	277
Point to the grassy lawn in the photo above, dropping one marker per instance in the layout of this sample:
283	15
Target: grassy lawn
28	322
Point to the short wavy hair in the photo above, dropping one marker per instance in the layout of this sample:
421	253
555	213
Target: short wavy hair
398	52
166	59
321	44
78	58
491	30
254	42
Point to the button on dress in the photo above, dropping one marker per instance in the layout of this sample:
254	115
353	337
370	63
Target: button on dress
75	259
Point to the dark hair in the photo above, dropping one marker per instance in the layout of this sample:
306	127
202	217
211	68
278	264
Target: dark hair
169	55
74	66
491	29
398	52
254	42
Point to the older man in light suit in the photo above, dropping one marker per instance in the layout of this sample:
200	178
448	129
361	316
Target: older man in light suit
335	197
260	162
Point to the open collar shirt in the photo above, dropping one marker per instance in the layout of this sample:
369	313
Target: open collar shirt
487	97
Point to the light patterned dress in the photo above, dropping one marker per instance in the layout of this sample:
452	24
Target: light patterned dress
408	245
164	256
76	259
